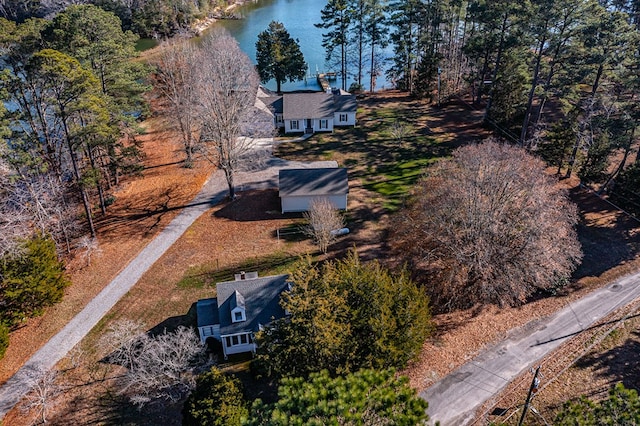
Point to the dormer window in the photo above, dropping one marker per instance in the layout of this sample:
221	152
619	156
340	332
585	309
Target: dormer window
238	313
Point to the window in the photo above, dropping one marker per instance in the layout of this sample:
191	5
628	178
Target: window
279	118
344	118
324	124
294	125
238	339
238	316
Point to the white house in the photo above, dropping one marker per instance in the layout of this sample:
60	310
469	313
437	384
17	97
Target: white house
311	112
240	309
299	187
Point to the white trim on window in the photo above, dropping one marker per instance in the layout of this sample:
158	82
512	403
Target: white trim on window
295	125
343	118
324	124
238	339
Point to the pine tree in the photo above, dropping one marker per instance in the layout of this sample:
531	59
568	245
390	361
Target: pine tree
279	56
345	315
217	400
30	280
622	407
4	339
336	18
364	397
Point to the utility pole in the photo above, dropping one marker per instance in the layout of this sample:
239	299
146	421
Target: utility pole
533	389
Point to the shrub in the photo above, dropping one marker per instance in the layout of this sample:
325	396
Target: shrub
30	280
217	400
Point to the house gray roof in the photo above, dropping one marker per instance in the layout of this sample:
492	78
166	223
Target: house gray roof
332	181
207	312
274	103
237	300
308	105
262	302
345	103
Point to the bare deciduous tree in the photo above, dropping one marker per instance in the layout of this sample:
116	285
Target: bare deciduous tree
488	226
88	246
228	89
211	90
45	389
163	366
324	220
177	79
13	218
31	204
121	341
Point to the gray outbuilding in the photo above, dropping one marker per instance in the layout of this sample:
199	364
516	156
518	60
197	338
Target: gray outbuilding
299	187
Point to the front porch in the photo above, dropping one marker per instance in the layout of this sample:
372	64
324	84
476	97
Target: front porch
238	343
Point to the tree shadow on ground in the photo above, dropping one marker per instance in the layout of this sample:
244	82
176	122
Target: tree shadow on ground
254	205
618	364
607	236
141	215
169	325
209	275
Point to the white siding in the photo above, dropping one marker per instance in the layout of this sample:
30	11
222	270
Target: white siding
350	116
328	128
208	331
237	344
288	127
301	203
315	125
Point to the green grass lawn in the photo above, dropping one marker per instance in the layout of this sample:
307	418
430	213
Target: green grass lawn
384	164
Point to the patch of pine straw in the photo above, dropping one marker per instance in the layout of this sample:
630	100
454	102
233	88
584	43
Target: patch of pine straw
142	207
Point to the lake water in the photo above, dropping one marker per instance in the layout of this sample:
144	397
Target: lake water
298	17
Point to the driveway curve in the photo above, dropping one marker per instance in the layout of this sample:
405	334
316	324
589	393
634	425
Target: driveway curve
263	173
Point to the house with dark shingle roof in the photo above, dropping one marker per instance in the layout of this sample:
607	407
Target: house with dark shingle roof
240	309
311	112
299	187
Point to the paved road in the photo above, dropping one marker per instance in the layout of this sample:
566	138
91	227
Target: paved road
263	174
454	399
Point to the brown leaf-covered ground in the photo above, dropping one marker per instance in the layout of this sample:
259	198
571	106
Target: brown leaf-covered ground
246	229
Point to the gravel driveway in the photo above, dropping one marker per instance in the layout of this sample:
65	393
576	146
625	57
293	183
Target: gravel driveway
262	173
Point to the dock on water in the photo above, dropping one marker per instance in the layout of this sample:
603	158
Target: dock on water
324	78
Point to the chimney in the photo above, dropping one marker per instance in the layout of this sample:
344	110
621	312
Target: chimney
243	276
